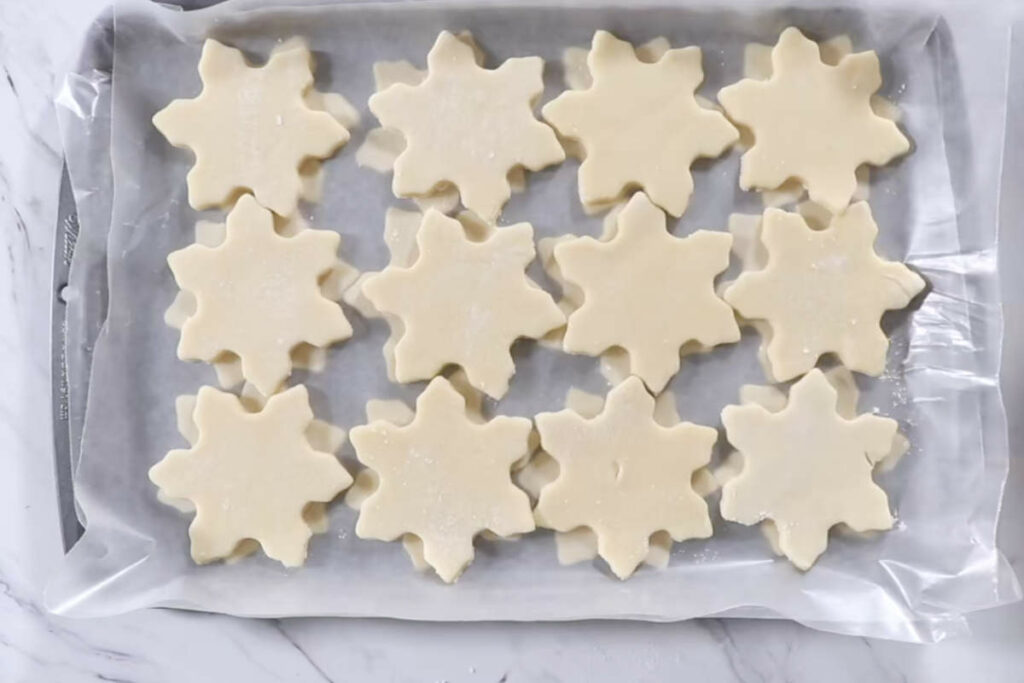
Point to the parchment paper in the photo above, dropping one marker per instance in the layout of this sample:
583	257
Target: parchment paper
935	209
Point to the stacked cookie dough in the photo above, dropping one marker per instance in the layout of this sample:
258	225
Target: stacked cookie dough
620	476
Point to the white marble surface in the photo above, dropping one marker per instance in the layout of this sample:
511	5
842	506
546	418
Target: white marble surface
36	40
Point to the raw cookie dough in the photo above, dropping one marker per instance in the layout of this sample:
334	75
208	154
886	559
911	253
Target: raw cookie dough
258	295
322	436
806	469
443	478
250	128
227	366
812	121
757	63
463	302
467	126
580	544
823	291
639	124
251	476
382	146
400	228
773	399
646	292
624	476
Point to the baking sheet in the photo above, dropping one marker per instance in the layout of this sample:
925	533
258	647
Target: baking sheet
933	209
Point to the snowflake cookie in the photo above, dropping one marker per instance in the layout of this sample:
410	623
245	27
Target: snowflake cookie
251	475
400	229
757	63
624	475
463	302
639	124
467	126
382	146
258	295
646	292
822	291
812	121
322	436
806	468
251	128
580	544
444	478
304	356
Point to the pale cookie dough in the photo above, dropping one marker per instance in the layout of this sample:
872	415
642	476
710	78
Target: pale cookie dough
580	544
443	478
812	122
251	128
624	476
399	414
467	126
639	124
251	476
463	302
227	365
646	292
773	399
311	168
382	146
322	436
757	63
400	228
258	295
806	469
823	291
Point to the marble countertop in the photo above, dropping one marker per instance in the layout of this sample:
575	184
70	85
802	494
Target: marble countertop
37	40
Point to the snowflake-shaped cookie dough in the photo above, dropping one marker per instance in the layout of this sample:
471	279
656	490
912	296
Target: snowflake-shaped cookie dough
806	469
258	295
639	124
400	229
251	128
444	477
382	146
823	291
333	285
463	302
624	476
757	63
251	476
467	126
646	292
322	436
812	121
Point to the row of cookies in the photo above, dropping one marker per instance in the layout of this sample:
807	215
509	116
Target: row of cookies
807	114
456	293
621	477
